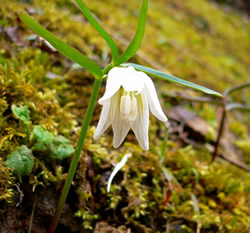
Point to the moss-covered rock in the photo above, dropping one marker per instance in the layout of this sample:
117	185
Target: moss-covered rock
43	99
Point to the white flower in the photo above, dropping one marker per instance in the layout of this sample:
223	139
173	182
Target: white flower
129	96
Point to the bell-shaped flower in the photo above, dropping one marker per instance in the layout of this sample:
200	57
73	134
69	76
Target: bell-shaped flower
129	96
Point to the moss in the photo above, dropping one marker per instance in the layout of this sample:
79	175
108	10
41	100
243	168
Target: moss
7	181
185	38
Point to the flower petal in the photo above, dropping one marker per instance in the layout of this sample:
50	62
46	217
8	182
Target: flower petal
128	77
114	82
132	79
104	121
117	168
120	129
154	103
141	124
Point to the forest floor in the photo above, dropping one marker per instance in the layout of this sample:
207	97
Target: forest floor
43	99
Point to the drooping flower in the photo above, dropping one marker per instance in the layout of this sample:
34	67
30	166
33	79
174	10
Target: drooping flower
129	96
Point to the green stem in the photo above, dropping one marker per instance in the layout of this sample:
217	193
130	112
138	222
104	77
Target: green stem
32	214
74	162
221	127
164	146
108	68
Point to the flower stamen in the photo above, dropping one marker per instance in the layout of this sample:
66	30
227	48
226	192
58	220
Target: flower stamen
133	110
125	106
128	106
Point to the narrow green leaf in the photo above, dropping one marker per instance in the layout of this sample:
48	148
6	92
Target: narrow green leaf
99	28
172	79
164	146
62	47
138	38
236	88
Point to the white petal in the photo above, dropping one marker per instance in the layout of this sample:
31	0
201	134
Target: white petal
141	124
108	113
114	82
104	121
128	77
120	129
132	79
118	167
114	105
153	100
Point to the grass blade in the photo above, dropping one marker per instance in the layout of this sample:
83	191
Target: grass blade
99	28
62	47
137	41
172	79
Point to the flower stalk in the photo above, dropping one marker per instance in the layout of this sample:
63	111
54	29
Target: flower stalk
221	128
75	159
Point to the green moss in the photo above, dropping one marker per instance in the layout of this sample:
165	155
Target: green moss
183	37
7	181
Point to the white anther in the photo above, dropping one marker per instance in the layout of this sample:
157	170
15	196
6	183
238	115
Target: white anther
125	105
133	110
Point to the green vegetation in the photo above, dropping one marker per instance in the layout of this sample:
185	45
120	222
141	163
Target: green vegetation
43	99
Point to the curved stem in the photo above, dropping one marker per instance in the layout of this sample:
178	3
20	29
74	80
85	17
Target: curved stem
107	69
75	159
221	127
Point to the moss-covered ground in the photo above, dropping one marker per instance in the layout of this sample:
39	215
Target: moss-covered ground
43	99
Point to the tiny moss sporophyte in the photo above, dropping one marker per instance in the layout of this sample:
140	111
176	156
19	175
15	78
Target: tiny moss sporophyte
128	97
